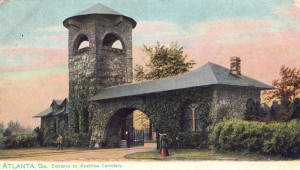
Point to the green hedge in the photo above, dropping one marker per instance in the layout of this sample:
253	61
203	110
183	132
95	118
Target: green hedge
272	139
191	140
19	141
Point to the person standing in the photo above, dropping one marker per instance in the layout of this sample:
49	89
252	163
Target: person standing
59	141
164	145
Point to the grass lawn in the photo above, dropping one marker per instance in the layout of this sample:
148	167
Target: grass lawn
205	154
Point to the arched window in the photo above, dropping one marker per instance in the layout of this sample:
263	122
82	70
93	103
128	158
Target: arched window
85	117
112	41
191	118
81	42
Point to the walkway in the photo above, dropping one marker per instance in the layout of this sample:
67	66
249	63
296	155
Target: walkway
42	154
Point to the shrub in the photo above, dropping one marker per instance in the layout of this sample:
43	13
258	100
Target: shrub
1	142
191	140
272	139
285	139
39	135
19	141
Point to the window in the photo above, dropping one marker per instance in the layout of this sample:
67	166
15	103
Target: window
85	121
191	118
112	41
76	122
55	125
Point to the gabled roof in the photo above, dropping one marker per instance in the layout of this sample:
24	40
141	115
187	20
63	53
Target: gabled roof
49	111
44	113
207	75
99	9
58	102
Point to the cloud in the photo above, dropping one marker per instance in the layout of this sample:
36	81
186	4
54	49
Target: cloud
291	13
3	1
149	32
263	50
57	29
25	97
60	38
24	59
296	3
259	43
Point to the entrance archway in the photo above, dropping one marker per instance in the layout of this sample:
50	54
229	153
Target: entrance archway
128	127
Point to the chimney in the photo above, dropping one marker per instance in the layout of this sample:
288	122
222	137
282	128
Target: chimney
235	66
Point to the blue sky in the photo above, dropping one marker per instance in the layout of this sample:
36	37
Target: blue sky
23	19
33	41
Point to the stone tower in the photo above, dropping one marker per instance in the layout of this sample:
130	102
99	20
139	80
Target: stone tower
100	55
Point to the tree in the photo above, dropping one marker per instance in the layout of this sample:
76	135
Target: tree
287	87
39	133
14	127
1	128
164	62
6	132
287	90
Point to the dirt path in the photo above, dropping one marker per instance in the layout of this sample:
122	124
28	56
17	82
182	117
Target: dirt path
115	157
73	154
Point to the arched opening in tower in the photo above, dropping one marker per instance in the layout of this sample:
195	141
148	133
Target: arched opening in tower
82	42
112	41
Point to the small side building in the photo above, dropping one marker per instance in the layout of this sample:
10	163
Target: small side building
54	120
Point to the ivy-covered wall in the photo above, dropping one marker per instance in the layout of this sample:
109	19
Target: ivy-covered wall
95	67
163	109
51	126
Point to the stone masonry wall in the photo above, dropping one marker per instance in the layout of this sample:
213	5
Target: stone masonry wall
231	100
114	66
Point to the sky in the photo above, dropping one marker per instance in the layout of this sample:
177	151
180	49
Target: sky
33	42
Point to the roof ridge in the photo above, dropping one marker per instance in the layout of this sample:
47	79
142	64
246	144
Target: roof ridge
164	78
97	5
146	81
212	70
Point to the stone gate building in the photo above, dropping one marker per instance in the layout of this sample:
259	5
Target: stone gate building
102	96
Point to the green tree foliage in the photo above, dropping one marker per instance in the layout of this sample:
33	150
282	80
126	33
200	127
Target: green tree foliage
256	111
39	135
14	127
1	128
6	132
20	141
164	62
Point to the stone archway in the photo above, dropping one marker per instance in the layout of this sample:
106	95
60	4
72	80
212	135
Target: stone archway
120	129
